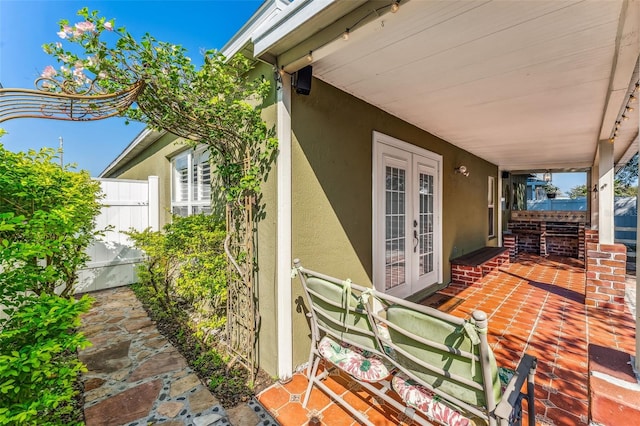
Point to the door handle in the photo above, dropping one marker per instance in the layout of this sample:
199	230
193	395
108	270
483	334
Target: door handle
416	240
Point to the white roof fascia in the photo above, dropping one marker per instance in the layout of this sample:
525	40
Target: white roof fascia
628	45
266	12
145	136
294	16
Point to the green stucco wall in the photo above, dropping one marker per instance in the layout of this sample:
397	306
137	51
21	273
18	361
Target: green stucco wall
266	249
332	190
154	161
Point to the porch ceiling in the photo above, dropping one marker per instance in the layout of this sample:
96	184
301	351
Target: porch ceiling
526	85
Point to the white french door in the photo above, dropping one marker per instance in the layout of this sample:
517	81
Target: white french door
406	217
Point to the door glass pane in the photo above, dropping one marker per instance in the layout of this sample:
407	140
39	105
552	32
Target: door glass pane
425	233
395	222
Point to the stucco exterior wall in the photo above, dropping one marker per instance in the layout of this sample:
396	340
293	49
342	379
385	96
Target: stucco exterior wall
332	190
266	248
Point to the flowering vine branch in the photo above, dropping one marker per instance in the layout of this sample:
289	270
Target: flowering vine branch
216	105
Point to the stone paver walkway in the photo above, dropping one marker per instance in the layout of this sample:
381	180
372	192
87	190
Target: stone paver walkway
137	377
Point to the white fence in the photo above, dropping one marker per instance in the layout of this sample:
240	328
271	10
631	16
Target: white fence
128	204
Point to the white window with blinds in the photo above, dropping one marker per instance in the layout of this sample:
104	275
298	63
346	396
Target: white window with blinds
191	183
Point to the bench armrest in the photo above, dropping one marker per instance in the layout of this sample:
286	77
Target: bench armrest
511	395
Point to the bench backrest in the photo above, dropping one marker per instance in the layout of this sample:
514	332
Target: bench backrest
443	354
338	311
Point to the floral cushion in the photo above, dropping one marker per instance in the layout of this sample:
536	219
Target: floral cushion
429	403
360	364
433	406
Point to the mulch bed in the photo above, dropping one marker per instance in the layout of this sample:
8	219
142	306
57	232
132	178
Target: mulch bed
228	383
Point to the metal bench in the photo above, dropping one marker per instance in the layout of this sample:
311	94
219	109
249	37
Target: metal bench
440	366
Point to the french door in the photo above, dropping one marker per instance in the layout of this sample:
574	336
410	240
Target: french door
406	217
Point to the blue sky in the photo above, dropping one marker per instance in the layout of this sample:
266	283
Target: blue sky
25	25
566	181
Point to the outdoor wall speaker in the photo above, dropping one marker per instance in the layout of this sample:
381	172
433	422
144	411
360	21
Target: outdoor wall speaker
505	175
303	80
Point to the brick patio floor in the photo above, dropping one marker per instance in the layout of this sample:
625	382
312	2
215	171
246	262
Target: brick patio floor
535	305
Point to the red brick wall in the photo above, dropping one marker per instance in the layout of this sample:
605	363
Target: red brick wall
529	243
562	239
563	246
581	242
510	241
526	243
491	266
606	268
463	274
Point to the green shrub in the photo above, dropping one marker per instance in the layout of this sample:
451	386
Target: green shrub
47	220
47	217
186	263
38	362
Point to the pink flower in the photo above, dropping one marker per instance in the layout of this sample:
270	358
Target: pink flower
49	72
79	76
78	73
65	32
85	26
108	26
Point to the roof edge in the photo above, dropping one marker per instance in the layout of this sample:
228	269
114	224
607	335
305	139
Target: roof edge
145	138
266	12
294	16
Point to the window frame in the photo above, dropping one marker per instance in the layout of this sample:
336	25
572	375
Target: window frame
491	206
195	201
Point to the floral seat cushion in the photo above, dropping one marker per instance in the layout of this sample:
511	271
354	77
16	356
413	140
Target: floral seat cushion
362	365
433	406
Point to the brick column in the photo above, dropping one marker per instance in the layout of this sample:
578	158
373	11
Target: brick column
590	237
581	241
606	267
510	241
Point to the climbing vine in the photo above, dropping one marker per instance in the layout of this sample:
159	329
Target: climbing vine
217	105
